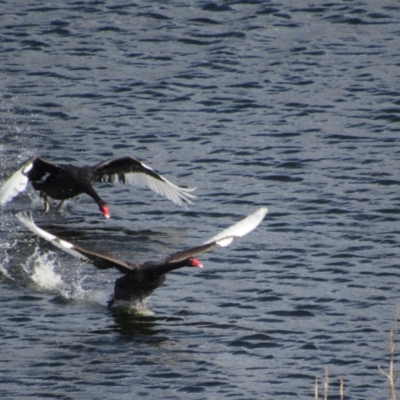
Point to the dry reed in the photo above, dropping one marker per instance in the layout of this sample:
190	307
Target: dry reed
390	375
326	386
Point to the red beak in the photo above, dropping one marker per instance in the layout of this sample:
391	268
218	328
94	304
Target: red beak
196	263
106	211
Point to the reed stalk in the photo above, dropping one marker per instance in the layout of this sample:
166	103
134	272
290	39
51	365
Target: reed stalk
326	387
390	374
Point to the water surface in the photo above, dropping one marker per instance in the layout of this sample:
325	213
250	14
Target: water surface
291	105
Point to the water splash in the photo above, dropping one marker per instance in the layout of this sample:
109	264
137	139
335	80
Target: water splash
41	270
44	272
97	296
135	308
6	259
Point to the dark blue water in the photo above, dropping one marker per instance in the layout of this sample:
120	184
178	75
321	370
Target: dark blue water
292	105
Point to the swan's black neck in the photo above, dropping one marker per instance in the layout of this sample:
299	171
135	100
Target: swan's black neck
93	194
168	267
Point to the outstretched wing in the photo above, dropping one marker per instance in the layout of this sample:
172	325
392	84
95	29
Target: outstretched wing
31	170
224	238
99	260
130	170
241	228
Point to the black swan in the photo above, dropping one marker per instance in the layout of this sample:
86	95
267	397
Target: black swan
139	281
67	181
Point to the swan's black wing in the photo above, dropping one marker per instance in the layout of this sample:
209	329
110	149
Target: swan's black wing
131	170
31	170
99	260
41	167
223	238
194	251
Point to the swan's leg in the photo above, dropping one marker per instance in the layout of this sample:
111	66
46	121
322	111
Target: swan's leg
111	301
59	207
46	203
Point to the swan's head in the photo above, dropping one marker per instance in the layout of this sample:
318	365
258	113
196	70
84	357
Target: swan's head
105	209
194	262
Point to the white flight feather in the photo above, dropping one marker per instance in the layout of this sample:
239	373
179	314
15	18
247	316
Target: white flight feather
60	243
241	228
15	184
162	187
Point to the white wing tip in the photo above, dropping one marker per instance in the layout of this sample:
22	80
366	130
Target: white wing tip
16	183
161	186
240	228
262	211
27	167
225	242
27	220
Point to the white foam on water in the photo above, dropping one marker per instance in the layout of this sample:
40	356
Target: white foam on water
98	296
46	273
40	268
134	308
5	259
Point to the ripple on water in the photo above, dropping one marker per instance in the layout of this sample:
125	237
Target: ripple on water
300	116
